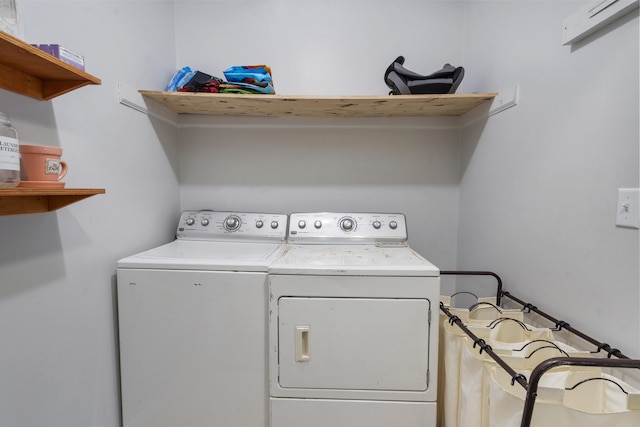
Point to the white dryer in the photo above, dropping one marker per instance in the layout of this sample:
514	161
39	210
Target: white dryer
353	325
192	323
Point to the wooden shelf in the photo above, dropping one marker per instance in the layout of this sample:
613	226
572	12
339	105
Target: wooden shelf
33	200
319	106
29	71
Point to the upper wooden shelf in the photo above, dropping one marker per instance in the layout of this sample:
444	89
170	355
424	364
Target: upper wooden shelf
33	200
29	71
319	106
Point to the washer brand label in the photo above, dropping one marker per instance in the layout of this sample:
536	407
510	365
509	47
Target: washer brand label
9	154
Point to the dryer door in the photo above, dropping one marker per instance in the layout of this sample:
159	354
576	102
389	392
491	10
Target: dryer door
353	343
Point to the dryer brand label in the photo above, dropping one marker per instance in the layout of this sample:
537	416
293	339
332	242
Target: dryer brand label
9	154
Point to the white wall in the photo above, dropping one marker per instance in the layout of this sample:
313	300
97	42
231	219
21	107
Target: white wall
539	181
377	169
58	354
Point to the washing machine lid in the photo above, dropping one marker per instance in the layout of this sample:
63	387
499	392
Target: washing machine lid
205	255
352	260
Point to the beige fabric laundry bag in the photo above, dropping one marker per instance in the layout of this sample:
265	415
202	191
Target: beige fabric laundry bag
507	337
450	345
570	396
475	369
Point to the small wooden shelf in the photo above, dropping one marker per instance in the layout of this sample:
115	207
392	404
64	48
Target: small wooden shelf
319	106
29	71
33	200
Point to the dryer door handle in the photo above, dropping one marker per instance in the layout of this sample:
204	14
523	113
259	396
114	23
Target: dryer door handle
301	333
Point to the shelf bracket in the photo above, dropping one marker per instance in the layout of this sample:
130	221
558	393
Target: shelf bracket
505	99
131	98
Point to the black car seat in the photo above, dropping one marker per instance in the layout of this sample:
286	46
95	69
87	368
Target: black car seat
404	82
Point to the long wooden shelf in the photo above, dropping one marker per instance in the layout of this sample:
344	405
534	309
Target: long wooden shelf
33	200
27	70
319	106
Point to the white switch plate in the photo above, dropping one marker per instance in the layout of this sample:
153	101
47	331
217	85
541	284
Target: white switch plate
628	208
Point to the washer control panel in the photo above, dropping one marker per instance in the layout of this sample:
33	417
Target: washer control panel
347	228
215	225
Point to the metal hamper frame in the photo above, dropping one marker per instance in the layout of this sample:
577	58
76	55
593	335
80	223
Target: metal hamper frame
531	385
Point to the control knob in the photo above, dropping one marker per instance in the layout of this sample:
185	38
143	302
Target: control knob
204	222
232	223
393	225
377	225
274	224
190	221
317	224
302	224
347	224
259	223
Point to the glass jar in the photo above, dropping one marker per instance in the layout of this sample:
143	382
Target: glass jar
9	154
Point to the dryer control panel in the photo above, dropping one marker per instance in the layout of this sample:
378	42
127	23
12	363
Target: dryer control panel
216	225
347	228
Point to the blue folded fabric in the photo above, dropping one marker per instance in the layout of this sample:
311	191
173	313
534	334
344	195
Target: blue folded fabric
183	75
248	74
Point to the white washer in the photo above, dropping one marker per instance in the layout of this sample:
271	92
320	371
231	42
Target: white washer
192	323
353	325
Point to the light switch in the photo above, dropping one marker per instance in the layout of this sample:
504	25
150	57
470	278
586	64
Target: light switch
628	208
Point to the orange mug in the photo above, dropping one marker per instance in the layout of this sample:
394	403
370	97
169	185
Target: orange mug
41	163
